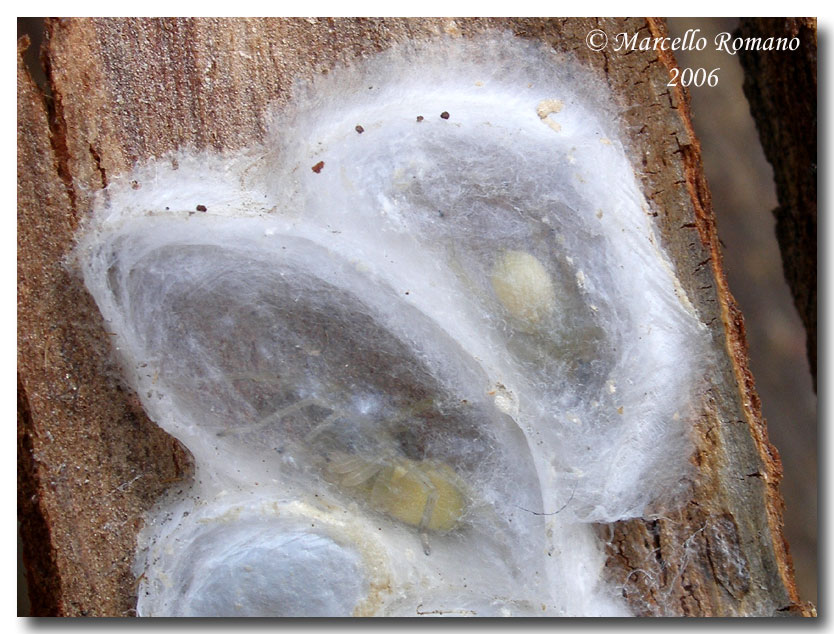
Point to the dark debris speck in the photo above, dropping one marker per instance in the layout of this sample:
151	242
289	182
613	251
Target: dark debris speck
317	167
360	129
444	115
201	208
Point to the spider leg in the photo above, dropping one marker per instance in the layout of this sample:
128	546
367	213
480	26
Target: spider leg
351	470
270	419
428	509
324	424
424	539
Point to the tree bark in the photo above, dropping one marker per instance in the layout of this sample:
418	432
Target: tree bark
781	87
90	461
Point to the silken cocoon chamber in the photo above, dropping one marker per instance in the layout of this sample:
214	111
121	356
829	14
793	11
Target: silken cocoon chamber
414	365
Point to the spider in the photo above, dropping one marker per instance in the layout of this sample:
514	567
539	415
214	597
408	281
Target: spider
425	494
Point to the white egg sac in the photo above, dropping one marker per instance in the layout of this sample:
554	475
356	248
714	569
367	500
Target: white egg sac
414	364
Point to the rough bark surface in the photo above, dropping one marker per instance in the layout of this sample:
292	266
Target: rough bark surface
90	461
781	87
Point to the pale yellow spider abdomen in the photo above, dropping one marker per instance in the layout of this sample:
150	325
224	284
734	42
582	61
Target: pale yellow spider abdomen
401	491
426	494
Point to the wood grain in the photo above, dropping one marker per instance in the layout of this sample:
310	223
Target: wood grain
91	463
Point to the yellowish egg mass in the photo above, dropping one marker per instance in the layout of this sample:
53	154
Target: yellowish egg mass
523	286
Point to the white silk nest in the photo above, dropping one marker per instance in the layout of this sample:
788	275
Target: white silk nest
414	377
